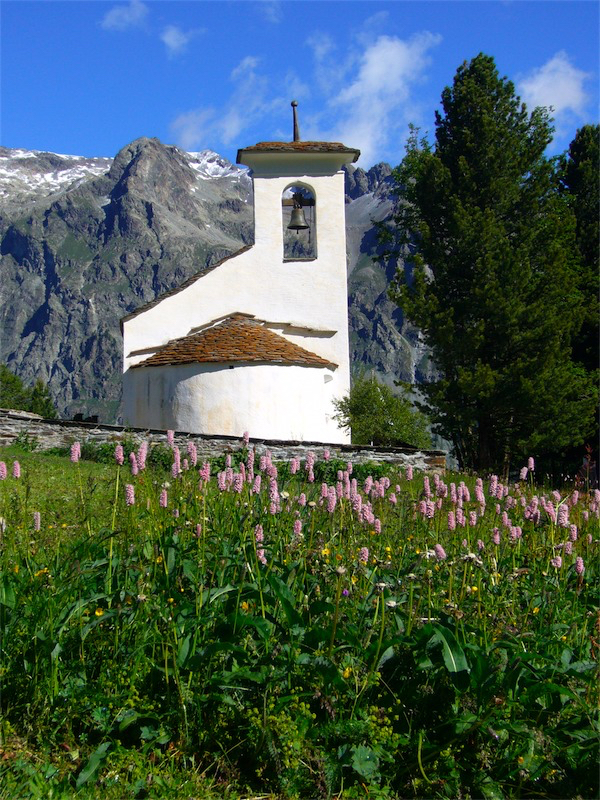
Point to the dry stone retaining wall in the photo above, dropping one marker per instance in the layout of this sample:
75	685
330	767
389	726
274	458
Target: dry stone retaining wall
49	433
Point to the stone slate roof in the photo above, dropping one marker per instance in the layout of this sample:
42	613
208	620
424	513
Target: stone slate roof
236	339
299	147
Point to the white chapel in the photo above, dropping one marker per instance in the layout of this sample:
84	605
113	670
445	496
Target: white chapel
259	341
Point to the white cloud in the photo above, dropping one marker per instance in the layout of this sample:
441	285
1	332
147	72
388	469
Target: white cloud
364	96
377	102
557	84
176	40
124	16
250	101
194	128
271	10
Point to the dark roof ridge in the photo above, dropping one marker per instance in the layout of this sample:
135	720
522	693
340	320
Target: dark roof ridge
192	279
298	147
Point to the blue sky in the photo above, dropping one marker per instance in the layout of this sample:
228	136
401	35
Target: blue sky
86	77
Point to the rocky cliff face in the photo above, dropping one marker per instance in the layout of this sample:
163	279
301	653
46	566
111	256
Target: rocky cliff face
85	241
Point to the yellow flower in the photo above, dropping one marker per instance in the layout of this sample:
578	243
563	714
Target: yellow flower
159	560
245	605
417	550
520	759
474	588
64	525
99	612
388	549
41	572
170	600
536	610
16	569
347	672
354	579
325	551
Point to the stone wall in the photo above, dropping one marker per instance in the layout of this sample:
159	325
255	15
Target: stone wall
49	433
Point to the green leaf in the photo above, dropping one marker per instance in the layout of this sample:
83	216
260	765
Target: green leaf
365	762
7	593
184	649
453	654
93	764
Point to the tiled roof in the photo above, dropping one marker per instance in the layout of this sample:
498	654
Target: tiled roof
299	147
188	282
236	339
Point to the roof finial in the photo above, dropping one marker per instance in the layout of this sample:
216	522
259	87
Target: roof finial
296	129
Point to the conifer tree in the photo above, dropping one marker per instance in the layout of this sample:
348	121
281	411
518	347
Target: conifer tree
496	284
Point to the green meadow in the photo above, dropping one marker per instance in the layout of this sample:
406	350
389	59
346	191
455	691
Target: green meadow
244	628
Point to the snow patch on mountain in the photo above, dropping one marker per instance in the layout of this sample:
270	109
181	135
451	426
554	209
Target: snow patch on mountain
32	174
209	164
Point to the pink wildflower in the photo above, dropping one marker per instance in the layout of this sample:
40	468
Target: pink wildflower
238	482
176	468
37	520
393	499
363	555
192	452
440	553
331	500
496	536
472	518
260	554
205	472
573	533
579	566
3	471
531	464
170	438
129	494
163	500
297	527
259	534
480	545
221	483
556	562
326	455
563	515
198	530
119	455
246	438
377	526
141	456
75	452
409	473
568	548
302	499
133	463
16	471
294	466
256	485
523	474
451	521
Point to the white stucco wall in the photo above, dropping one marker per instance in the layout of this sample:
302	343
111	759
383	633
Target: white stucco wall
306	294
265	400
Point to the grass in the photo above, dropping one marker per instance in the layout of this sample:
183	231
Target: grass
251	629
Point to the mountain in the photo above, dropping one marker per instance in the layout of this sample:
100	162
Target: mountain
84	241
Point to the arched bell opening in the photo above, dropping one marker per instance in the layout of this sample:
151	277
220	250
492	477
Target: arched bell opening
299	223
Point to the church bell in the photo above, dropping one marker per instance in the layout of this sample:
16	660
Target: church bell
298	221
